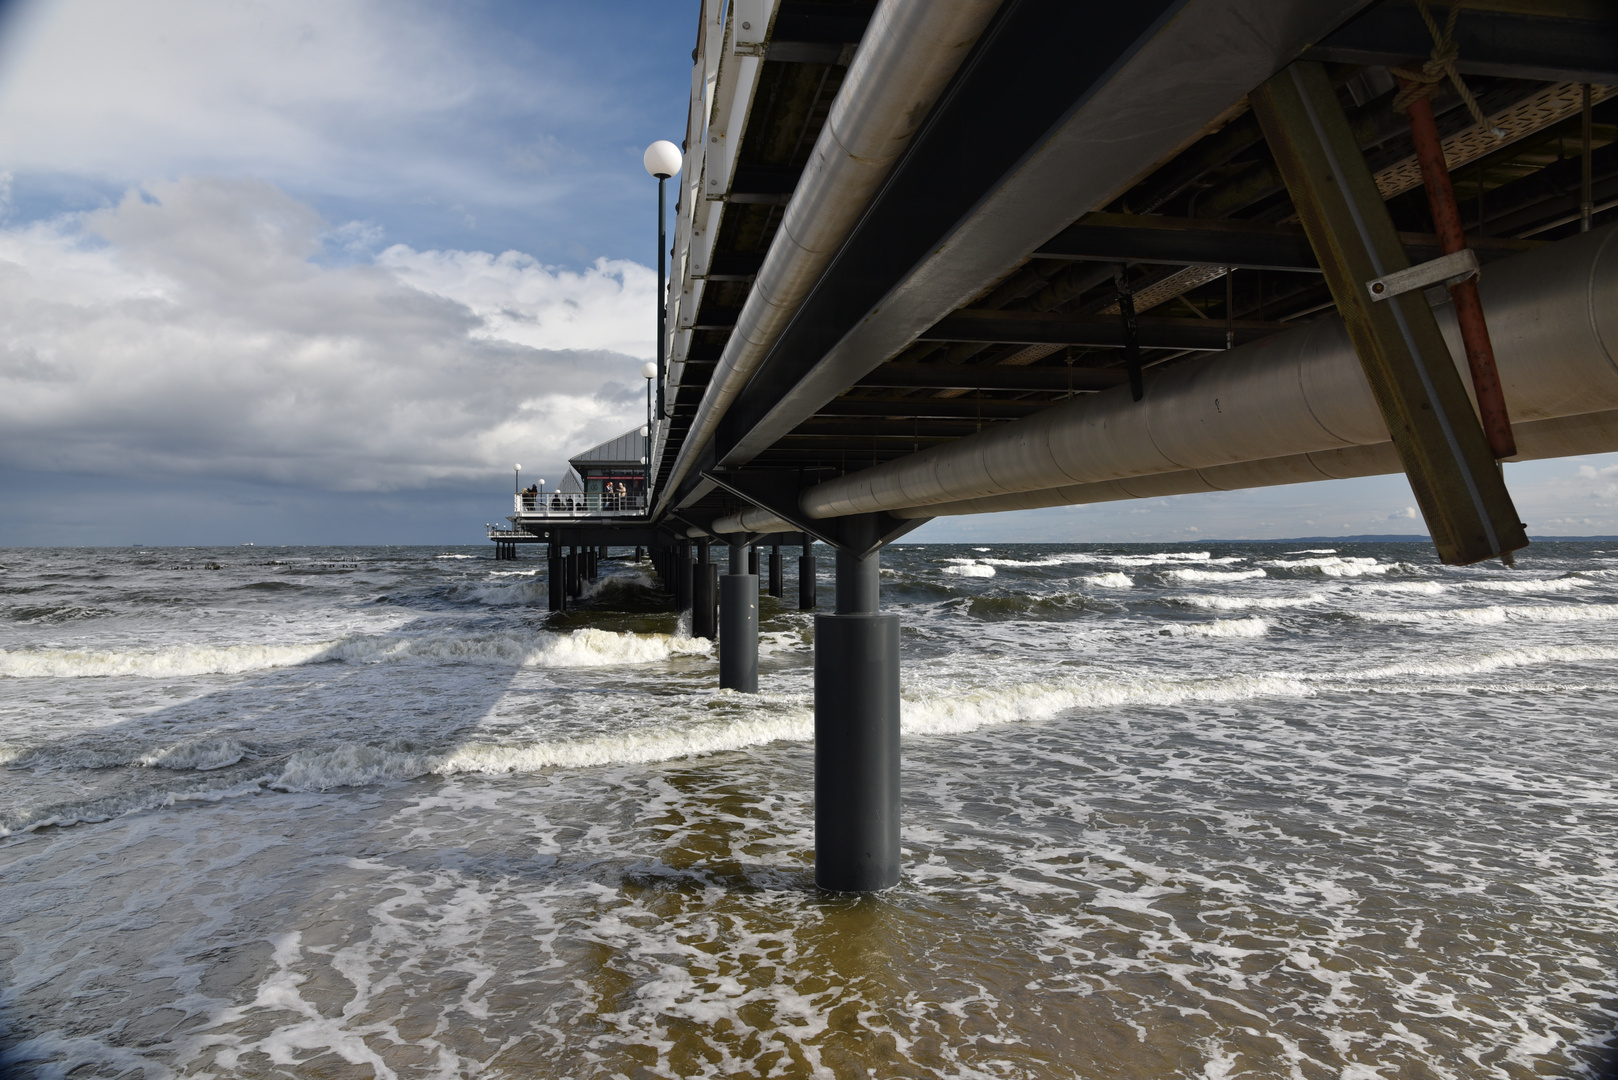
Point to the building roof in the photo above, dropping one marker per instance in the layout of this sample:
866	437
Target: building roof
626	449
570	483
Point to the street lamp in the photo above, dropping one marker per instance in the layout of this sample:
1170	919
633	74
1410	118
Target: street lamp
662	159
516	483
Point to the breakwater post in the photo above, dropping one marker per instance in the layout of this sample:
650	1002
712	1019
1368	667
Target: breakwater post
857	725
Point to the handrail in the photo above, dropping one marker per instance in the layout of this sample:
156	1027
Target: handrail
577	503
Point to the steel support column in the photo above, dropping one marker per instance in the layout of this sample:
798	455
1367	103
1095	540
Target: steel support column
680	559
555	577
752	560
775	570
738	623
704	598
857	728
806	575
1429	416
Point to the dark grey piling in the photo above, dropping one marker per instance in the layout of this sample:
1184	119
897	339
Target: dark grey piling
806	575
704	595
682	576
857	731
738	625
775	571
555	568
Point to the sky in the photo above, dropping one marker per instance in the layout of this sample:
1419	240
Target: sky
323	272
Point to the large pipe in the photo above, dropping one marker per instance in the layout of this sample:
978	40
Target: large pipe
1590	433
909	51
1553	315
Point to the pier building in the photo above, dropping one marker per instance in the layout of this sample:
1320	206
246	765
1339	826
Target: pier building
939	257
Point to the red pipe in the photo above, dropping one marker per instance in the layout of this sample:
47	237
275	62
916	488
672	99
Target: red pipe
1468	308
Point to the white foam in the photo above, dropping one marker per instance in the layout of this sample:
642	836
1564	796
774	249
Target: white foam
1495	661
448	555
967	709
1213	575
1334	565
1264	603
1528	585
588	647
1314	551
970	569
1220	628
1496	614
1111	580
202	755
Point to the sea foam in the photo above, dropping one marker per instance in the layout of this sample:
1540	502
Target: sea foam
588	647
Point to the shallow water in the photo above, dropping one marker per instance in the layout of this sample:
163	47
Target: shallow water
1228	810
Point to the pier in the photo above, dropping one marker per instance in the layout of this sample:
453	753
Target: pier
939	258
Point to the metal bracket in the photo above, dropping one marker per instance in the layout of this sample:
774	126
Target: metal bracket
1446	269
752	488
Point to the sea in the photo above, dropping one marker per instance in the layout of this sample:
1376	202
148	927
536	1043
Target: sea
1217	810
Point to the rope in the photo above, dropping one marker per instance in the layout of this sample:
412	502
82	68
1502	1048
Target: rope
1417	83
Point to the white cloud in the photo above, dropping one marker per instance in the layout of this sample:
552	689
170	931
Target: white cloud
191	330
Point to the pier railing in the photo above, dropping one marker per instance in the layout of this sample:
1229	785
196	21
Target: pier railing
578	504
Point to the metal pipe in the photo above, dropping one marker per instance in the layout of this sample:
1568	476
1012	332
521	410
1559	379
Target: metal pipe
1566	436
1468	308
1554	319
910	50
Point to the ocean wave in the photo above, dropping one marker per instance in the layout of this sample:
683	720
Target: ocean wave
452	555
1110	580
1212	575
200	755
970	569
1314	551
1224	628
588	647
1497	613
1334	565
1241	603
1493	661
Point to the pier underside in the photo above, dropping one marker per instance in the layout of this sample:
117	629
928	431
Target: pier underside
948	258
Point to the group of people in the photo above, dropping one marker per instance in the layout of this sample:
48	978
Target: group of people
614	496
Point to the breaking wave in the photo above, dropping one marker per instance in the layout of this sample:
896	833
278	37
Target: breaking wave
582	648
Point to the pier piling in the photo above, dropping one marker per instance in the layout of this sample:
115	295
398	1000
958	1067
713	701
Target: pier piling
806	575
857	729
775	571
704	595
738	617
555	571
683	584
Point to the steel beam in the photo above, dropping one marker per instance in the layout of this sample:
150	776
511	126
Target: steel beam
1503	44
995	377
1453	474
1058	328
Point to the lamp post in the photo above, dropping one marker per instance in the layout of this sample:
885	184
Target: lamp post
662	159
516	482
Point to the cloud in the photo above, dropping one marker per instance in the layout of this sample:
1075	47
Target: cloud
1407	514
194	330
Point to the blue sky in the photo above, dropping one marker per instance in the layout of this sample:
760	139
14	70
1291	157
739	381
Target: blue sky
310	272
